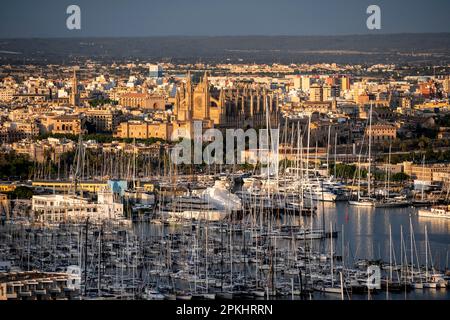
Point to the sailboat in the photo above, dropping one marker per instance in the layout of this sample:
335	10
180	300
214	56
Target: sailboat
387	201
365	201
416	284
331	287
420	184
427	283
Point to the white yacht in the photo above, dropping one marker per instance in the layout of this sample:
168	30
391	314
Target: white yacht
315	190
221	197
424	185
435	212
318	193
192	208
213	203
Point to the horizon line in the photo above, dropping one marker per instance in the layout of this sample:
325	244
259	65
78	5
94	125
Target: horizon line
225	36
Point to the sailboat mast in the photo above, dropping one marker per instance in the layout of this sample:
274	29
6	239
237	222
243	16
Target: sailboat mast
423	170
389	171
307	150
390	253
426	254
412	249
331	254
328	151
401	250
206	257
335	151
369	178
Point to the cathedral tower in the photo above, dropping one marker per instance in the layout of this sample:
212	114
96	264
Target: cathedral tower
74	95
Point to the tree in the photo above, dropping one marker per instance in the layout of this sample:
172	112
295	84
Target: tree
400	177
21	192
245	166
346	170
14	166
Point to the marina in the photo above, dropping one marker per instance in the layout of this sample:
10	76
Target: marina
278	232
206	259
175	164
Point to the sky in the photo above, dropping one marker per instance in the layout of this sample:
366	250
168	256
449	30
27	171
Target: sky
137	18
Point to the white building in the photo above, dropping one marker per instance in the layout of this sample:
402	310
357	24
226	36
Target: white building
156	71
59	207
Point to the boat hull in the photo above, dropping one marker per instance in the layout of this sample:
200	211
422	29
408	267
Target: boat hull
433	214
197	215
361	203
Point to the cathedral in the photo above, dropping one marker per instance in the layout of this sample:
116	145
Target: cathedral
195	103
243	106
250	106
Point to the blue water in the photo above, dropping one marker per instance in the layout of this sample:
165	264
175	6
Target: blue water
366	232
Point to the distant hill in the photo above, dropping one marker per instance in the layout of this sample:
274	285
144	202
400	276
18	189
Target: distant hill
388	48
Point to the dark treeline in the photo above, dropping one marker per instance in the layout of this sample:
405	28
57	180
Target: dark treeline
15	167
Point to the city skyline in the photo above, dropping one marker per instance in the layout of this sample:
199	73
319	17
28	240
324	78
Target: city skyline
242	151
